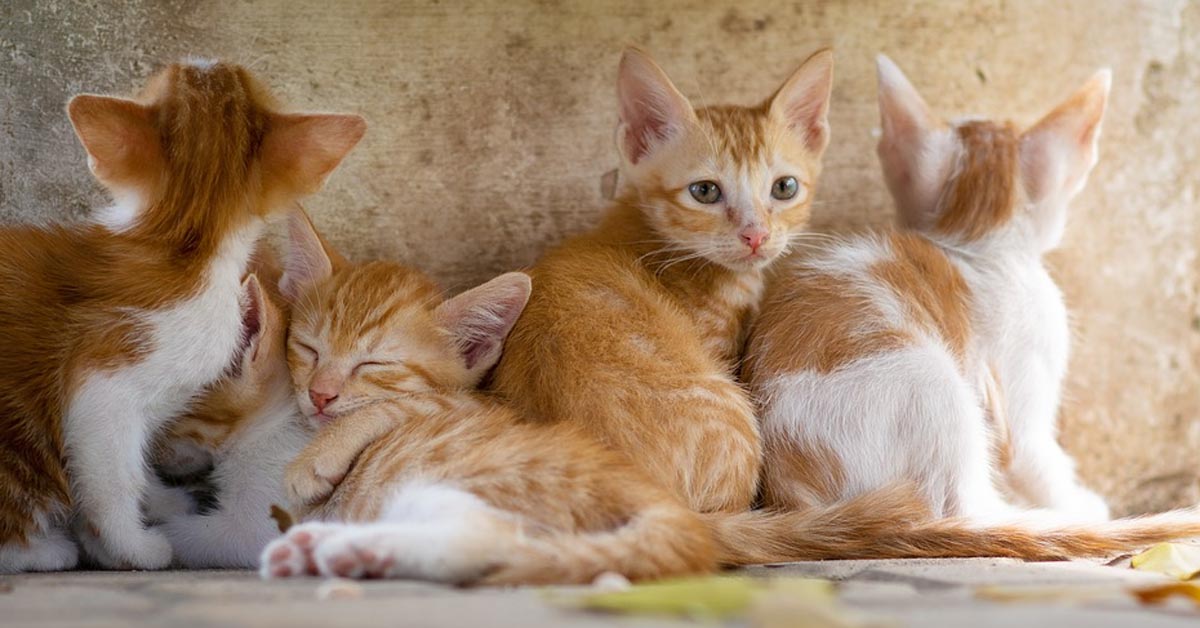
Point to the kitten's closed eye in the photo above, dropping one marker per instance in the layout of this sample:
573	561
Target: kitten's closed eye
307	349
374	364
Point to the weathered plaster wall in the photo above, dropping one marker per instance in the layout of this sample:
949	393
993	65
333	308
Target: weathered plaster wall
491	126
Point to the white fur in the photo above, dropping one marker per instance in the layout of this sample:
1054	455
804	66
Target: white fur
248	478
113	414
428	531
48	548
917	414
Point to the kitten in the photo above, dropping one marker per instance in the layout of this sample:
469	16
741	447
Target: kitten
112	327
413	474
634	330
248	427
935	353
447	484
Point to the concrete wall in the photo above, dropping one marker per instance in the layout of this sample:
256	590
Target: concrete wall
491	127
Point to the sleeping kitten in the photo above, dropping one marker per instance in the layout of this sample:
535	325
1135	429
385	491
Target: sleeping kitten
248	427
934	353
111	328
447	484
634	330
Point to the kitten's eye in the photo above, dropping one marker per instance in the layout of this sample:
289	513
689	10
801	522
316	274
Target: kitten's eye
307	349
706	192
367	364
784	188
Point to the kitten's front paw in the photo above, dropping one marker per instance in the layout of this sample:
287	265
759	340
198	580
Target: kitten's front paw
292	554
128	549
312	480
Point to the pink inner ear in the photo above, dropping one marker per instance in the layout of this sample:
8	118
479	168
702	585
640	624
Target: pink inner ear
645	127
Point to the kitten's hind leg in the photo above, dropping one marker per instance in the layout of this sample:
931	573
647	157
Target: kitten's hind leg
427	531
1045	475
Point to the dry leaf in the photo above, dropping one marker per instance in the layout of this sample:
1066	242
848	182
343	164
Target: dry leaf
1177	560
812	608
1052	594
713	597
282	518
1160	594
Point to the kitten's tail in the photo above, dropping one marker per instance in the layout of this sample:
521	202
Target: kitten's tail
895	524
660	541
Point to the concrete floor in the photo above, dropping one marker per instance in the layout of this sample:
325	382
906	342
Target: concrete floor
918	593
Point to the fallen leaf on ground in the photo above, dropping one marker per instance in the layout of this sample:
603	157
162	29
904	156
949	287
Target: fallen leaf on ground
1160	594
767	603
1053	594
1178	560
282	518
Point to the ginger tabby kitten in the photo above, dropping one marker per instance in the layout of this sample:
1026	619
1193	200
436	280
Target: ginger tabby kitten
934	354
112	327
634	330
447	484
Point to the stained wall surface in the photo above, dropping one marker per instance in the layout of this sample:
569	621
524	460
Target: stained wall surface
491	128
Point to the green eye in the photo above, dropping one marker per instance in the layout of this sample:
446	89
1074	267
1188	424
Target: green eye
784	188
705	192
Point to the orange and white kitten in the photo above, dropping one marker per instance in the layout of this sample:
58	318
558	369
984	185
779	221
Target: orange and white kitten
248	427
634	330
111	328
934	353
447	484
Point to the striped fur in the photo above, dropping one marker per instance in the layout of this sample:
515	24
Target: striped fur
634	330
414	474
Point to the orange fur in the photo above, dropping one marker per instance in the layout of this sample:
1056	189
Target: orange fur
200	155
406	411
634	330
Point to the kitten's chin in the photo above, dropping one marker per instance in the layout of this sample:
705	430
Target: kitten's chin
747	263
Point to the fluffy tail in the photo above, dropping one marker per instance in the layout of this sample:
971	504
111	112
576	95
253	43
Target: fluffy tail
662	541
894	524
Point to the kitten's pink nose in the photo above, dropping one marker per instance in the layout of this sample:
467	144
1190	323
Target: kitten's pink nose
754	237
321	399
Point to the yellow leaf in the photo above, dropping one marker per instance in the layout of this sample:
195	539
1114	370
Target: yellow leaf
712	597
1158	595
1177	560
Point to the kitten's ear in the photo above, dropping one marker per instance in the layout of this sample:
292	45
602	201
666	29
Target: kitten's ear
309	259
119	136
652	110
803	100
1060	150
301	149
254	310
480	319
915	148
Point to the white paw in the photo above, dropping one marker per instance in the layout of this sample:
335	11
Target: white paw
354	553
292	554
130	549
